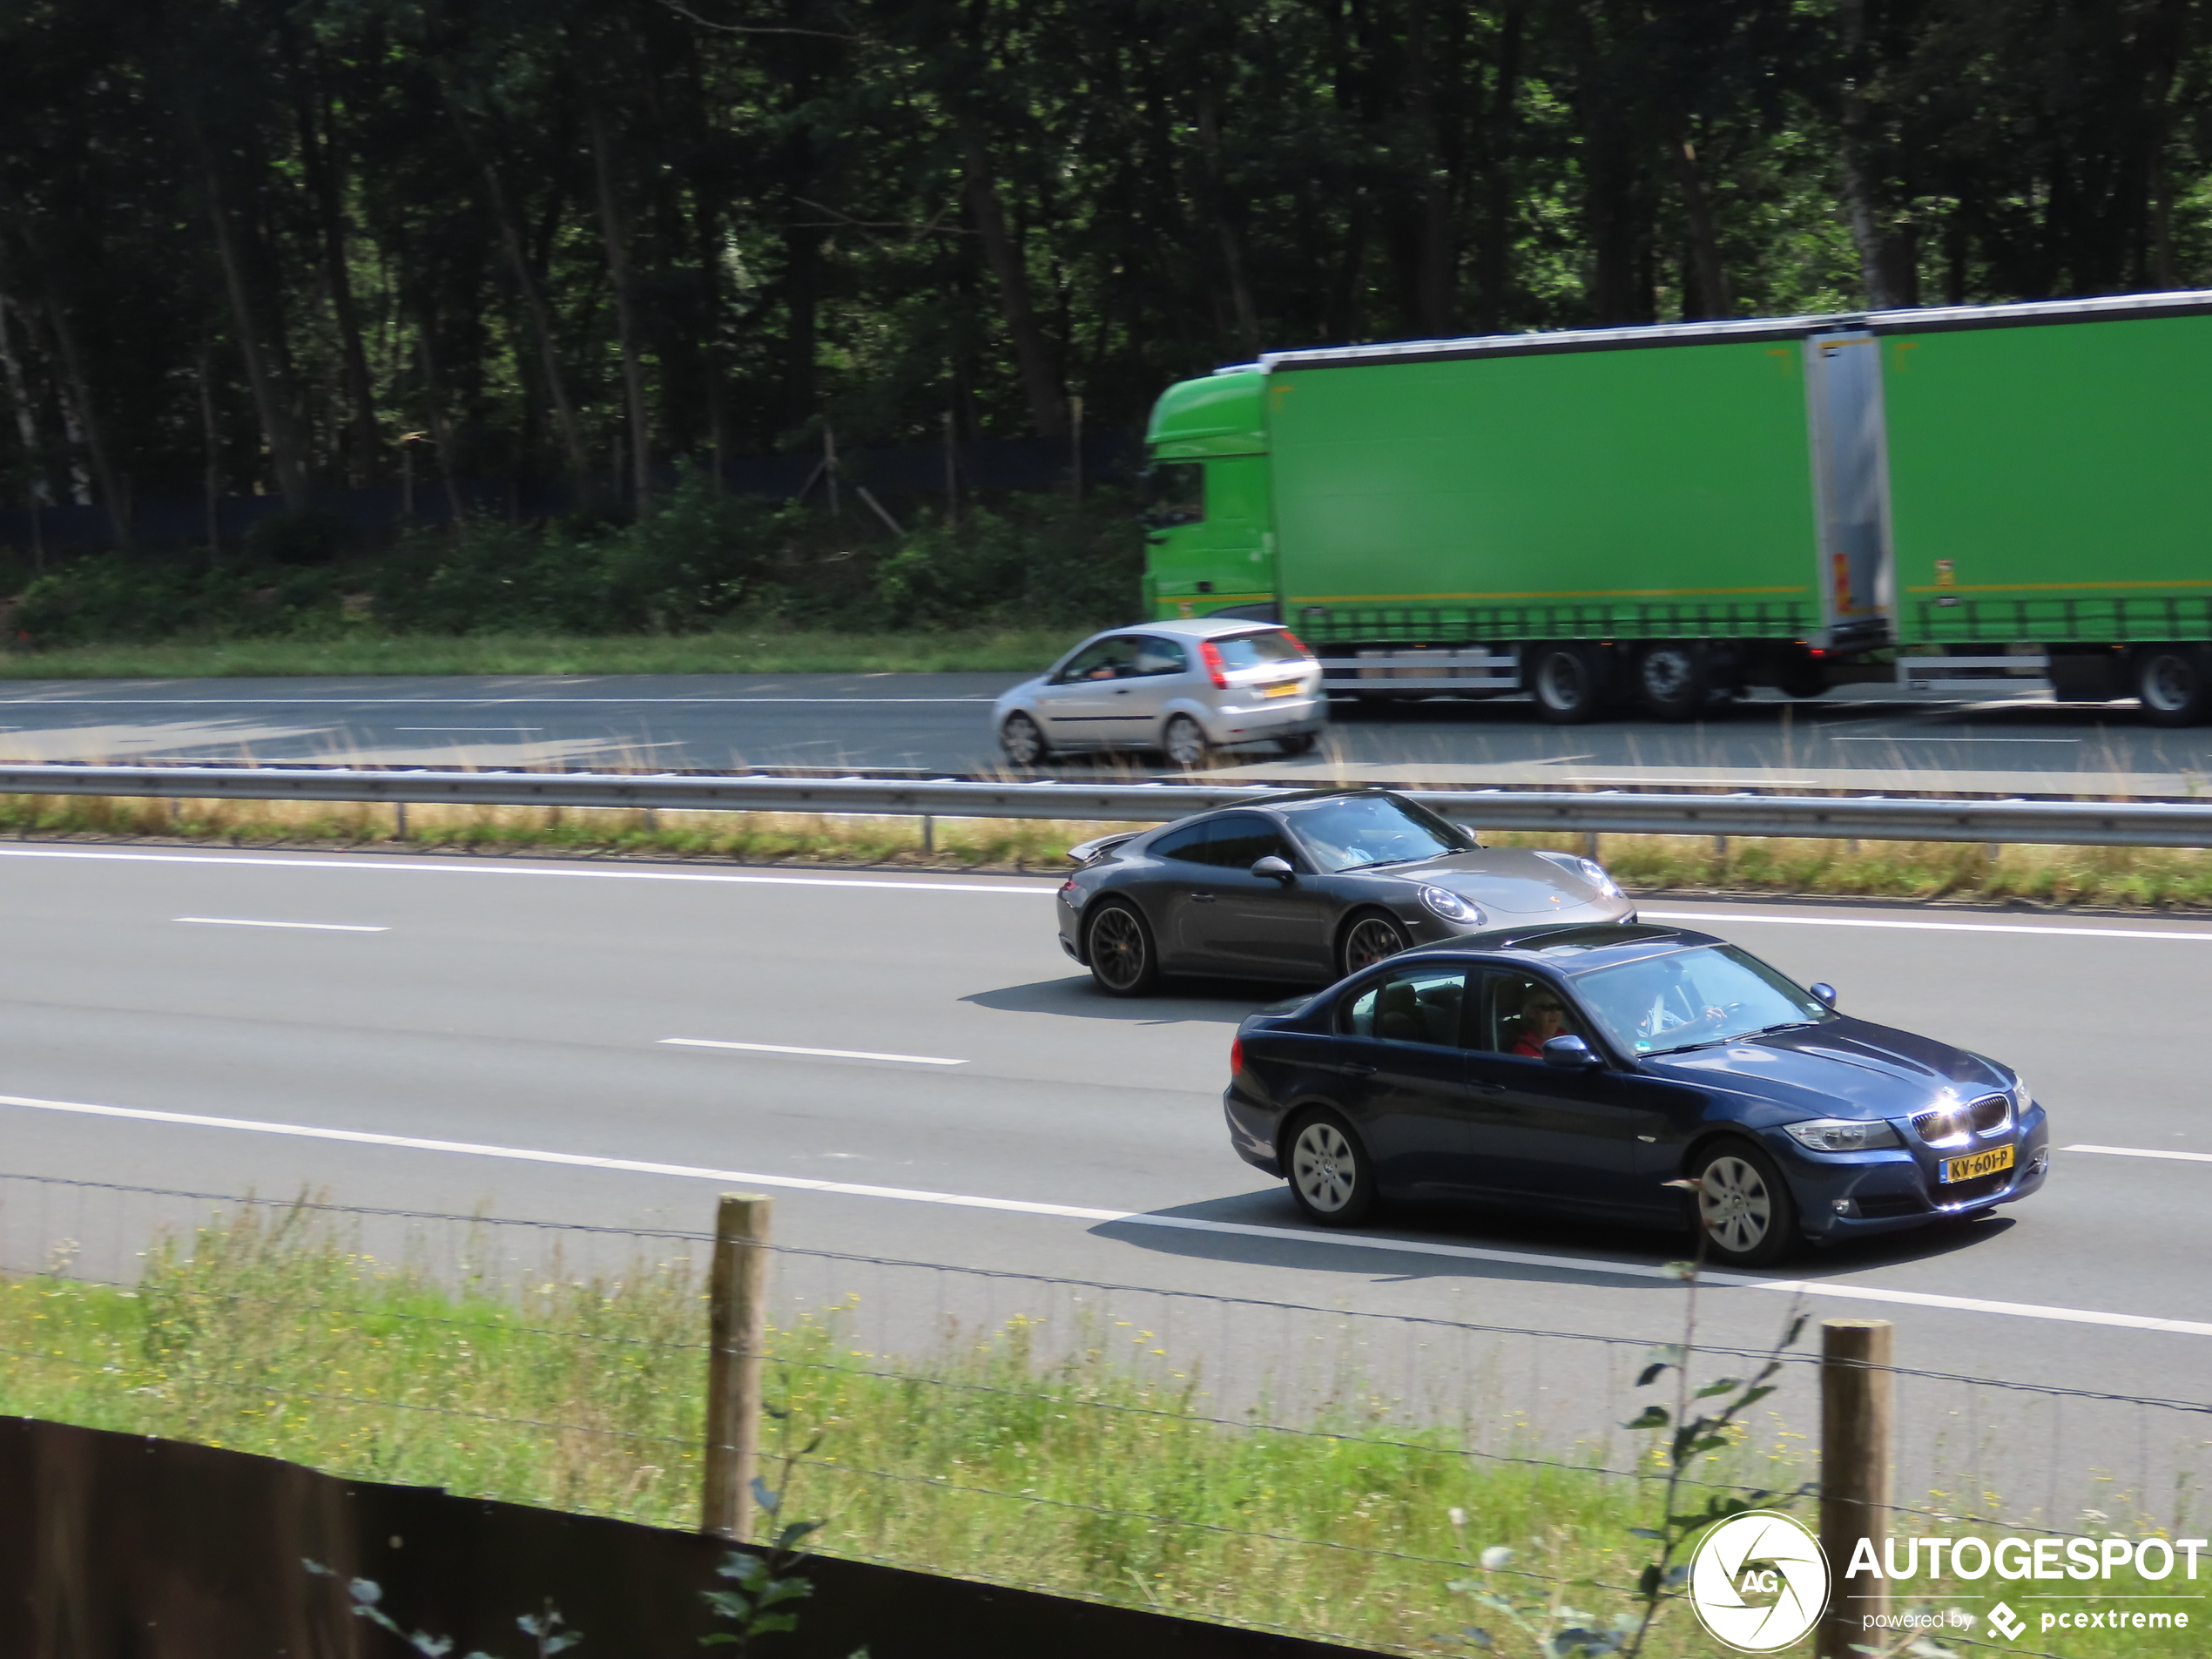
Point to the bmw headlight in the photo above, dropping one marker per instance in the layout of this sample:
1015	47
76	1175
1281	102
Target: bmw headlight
1842	1135
2023	1102
1451	908
1589	869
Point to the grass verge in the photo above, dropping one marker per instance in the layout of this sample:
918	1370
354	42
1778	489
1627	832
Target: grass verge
1928	872
763	649
997	1456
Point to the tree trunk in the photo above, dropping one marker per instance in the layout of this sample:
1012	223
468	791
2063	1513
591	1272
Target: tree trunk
1887	285
1712	298
1216	209
633	367
363	439
534	307
1048	410
36	489
264	373
1493	252
1434	245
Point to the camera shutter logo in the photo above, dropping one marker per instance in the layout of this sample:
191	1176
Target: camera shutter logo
1758	1553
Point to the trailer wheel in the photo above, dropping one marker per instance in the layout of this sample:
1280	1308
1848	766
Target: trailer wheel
1568	682
2173	684
1671	680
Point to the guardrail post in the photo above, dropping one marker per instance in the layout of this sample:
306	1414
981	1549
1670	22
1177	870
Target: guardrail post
1857	1390
737	1324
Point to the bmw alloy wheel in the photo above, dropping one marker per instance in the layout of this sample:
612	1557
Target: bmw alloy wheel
1329	1173
1744	1206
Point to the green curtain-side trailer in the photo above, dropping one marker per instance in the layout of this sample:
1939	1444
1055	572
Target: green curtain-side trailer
1667	515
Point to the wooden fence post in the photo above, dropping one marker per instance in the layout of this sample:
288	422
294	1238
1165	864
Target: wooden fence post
1857	1391
738	1318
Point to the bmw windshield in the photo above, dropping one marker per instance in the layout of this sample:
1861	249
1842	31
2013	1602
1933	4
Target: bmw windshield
1693	999
1370	830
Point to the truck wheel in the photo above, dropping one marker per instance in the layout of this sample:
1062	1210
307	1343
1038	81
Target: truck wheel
1671	680
1799	675
1568	683
2173	684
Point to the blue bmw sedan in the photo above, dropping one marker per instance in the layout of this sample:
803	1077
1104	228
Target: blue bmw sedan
1581	1068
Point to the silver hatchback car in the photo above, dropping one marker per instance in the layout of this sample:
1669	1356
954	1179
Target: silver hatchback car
1184	688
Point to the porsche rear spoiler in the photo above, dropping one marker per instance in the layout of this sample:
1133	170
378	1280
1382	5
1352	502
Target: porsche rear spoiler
1085	852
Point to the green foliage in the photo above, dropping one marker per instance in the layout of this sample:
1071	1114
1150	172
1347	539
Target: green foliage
1039	557
546	1629
297	535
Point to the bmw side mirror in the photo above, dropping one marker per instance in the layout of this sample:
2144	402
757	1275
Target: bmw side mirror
1279	868
1570	1054
1826	993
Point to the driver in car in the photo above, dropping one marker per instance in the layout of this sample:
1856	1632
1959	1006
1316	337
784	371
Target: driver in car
1541	1018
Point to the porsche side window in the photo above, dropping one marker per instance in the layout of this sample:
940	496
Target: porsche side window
1422	1005
1189	845
1241	839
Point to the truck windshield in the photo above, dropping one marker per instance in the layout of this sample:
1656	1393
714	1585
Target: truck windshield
1692	998
1174	493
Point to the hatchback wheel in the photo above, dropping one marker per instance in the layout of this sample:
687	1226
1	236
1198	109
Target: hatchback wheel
1021	741
1370	938
1744	1205
1330	1176
1298	743
1119	946
1184	743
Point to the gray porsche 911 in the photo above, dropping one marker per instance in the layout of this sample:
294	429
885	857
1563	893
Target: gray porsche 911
1306	887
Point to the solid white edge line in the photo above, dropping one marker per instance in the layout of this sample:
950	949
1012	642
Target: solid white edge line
407	863
2142	1152
814	1054
310	927
1076	1212
1917	926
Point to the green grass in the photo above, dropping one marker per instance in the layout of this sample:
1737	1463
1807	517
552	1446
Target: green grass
1930	872
267	1332
766	648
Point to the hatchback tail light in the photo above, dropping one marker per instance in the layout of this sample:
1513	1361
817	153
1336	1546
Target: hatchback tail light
1216	669
1236	1056
1299	645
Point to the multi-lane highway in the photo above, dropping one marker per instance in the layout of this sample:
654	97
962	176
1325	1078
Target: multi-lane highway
916	1072
1870	739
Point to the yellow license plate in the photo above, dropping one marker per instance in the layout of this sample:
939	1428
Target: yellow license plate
1977	1165
1289	688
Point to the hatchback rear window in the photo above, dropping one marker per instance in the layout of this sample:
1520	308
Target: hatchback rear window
1258	651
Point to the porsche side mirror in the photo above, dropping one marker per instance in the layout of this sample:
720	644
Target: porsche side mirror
1826	993
1570	1054
1279	868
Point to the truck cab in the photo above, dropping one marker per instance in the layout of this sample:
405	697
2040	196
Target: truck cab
1207	525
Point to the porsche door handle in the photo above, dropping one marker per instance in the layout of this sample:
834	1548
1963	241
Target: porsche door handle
1201	898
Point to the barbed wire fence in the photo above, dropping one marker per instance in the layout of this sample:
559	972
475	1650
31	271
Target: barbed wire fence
1293	1466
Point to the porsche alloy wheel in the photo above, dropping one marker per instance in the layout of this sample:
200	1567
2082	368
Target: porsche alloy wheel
1370	938
1120	949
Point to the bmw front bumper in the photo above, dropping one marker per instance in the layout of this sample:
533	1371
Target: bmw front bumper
1846	1195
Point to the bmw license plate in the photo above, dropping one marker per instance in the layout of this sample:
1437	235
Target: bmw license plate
1288	688
1979	1165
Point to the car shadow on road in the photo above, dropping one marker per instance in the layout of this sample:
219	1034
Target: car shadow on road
1212	1001
1265	1228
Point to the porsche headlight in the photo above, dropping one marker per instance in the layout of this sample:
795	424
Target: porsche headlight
1589	869
1451	908
1842	1135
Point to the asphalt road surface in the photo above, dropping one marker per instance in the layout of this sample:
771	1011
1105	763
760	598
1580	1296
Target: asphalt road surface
916	1073
1877	739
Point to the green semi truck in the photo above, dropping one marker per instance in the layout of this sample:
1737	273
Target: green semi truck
1975	498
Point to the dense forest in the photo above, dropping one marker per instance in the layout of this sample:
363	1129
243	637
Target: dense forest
274	246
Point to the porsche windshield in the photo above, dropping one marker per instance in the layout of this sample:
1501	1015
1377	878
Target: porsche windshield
1694	998
1367	829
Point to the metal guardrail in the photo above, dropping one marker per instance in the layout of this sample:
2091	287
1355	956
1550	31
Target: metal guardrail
1869	818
